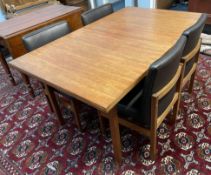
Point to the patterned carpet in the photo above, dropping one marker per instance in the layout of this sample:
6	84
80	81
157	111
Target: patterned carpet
32	142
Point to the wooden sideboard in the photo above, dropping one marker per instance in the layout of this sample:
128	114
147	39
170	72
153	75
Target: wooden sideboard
12	30
12	7
203	6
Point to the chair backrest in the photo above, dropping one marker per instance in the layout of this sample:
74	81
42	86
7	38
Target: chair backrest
193	34
97	13
45	35
4	51
161	72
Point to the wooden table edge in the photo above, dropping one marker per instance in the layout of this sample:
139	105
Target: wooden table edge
94	105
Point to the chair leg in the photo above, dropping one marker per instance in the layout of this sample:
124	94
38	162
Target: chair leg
47	98
190	88
177	104
175	112
102	128
7	69
50	93
28	85
74	105
153	145
49	103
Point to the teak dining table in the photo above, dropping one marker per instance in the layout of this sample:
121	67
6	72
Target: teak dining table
101	62
12	30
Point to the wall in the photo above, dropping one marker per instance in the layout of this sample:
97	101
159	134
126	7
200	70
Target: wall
2	17
118	4
141	3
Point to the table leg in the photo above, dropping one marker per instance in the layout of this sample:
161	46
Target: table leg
7	69
115	134
28	85
50	93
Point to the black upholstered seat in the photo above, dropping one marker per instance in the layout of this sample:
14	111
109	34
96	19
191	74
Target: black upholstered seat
45	35
97	13
145	107
191	51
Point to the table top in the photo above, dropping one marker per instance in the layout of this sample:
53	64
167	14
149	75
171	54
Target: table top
101	62
31	19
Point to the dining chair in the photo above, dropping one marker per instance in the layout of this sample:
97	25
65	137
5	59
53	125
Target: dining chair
191	51
145	107
97	13
4	54
44	36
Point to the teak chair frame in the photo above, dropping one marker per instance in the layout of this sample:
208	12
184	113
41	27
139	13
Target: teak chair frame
194	54
155	119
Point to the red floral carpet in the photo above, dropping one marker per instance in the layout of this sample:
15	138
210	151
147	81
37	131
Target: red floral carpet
32	142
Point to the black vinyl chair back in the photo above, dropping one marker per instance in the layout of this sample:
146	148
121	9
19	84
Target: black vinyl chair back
45	35
4	51
97	13
193	34
160	74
